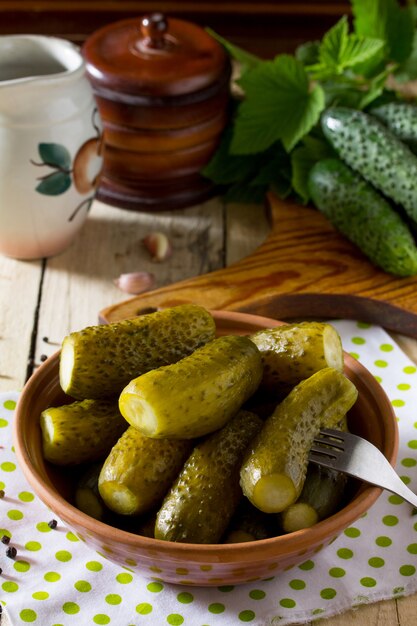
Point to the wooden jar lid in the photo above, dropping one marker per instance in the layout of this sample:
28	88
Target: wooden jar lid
154	57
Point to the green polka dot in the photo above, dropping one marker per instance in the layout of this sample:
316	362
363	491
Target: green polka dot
28	615
185	597
354	355
26	496
258	594
394	499
14	514
70	608
40	595
10	586
390	520
155	587
71	537
216	608
246	616
403	386
398	403
344	553
8	466
297	584
412	444
287	603
82	585
328	593
52	577
2	485
376	561
386	347
100	618
144	608
226	588
95	566
307	565
174	619
380	363
124	579
3	423
363	324
378	379
43	527
21	566
352	532
397	590
409	462
412	548
359	341
10	405
33	546
367	581
337	572
113	598
407	570
63	556
383	542
409	369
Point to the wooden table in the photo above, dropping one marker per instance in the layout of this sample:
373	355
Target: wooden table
42	301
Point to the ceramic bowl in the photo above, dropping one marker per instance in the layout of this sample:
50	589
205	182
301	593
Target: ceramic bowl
372	417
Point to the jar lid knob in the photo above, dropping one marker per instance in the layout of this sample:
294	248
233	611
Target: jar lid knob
153	29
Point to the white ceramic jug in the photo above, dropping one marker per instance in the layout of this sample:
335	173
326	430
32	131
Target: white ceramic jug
50	145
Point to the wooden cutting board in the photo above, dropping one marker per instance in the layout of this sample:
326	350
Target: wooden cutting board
303	269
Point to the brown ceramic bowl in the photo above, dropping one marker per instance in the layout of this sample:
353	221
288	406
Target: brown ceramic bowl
372	417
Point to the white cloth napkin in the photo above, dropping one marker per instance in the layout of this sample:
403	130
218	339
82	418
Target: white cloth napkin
56	580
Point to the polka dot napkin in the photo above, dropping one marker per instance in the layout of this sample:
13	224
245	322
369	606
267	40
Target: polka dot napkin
55	580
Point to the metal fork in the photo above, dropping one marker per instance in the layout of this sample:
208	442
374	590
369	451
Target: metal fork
358	457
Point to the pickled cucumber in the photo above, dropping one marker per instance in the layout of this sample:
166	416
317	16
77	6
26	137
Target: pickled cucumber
274	470
293	352
100	360
139	471
201	502
87	496
196	395
81	432
250	524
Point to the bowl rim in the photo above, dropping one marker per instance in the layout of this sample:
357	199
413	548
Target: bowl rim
294	542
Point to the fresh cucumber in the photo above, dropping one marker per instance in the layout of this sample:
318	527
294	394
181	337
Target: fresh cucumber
196	395
292	352
139	471
358	211
100	360
368	147
401	119
274	470
81	432
201	502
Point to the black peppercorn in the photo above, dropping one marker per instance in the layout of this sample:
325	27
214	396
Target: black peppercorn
11	552
53	523
5	539
43	357
2	494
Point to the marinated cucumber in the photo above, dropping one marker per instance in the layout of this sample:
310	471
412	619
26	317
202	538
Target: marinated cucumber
250	524
201	502
358	211
367	146
87	496
196	395
139	471
81	432
274	470
292	352
100	360
401	119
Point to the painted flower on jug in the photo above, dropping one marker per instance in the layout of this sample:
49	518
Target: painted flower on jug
64	171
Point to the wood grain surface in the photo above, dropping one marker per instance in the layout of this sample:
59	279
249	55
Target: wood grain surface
303	269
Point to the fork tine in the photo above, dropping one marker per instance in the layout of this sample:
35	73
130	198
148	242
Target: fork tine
323	460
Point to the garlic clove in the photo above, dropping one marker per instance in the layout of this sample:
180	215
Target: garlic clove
135	282
158	245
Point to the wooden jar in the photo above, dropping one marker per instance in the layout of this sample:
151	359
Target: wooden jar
162	90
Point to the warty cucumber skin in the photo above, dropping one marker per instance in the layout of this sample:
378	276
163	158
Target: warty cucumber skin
401	119
107	357
292	352
358	211
196	395
83	431
281	447
201	502
139	471
368	147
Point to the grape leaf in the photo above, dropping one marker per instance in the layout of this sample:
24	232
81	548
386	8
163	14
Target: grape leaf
55	154
279	104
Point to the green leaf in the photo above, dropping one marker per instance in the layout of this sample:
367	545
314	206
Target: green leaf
54	184
408	70
246	194
386	20
246	59
302	160
55	154
280	104
308	53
